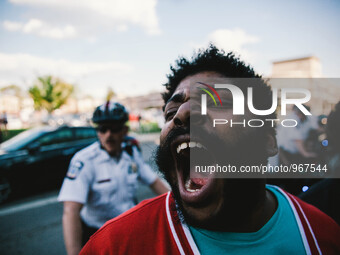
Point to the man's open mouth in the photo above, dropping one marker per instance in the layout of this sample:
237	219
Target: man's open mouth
187	153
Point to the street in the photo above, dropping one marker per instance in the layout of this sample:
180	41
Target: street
33	225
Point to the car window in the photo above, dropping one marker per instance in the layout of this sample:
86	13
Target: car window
21	140
85	133
60	136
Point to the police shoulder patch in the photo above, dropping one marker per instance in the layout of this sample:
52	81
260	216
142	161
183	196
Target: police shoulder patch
74	169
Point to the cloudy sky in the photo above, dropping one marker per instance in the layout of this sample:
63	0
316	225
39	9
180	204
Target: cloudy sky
128	45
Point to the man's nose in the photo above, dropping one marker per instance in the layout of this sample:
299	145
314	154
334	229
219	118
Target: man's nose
182	117
187	114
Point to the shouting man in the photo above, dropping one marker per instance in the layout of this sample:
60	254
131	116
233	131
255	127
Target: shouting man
204	215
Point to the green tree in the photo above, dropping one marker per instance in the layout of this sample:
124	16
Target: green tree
50	93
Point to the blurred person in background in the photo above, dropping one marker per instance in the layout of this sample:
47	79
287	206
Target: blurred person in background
102	179
326	193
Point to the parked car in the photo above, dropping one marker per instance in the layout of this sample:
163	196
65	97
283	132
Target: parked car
38	159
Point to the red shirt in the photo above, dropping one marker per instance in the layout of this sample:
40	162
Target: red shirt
153	227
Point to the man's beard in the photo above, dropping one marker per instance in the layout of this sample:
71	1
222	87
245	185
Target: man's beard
241	196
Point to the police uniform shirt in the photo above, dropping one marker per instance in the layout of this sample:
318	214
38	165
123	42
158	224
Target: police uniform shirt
104	185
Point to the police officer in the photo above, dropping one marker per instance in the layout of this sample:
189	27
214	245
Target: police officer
102	178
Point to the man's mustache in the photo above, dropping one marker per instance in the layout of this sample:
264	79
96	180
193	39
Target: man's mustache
110	141
173	134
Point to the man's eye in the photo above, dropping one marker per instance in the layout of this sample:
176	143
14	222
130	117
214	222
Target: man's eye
169	115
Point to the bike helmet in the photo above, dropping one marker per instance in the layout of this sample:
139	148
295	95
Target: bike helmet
110	112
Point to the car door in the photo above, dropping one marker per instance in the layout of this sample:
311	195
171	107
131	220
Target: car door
58	148
47	161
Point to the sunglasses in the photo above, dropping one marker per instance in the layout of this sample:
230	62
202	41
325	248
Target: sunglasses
104	129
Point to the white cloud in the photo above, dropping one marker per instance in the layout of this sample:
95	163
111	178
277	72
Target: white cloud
38	27
88	16
33	25
23	69
12	26
232	39
235	40
122	28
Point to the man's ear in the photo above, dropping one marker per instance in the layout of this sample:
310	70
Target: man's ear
271	145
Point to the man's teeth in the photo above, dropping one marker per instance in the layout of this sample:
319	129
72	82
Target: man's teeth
185	145
187	186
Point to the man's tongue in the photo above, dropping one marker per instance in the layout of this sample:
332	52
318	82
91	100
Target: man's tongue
195	184
199	181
